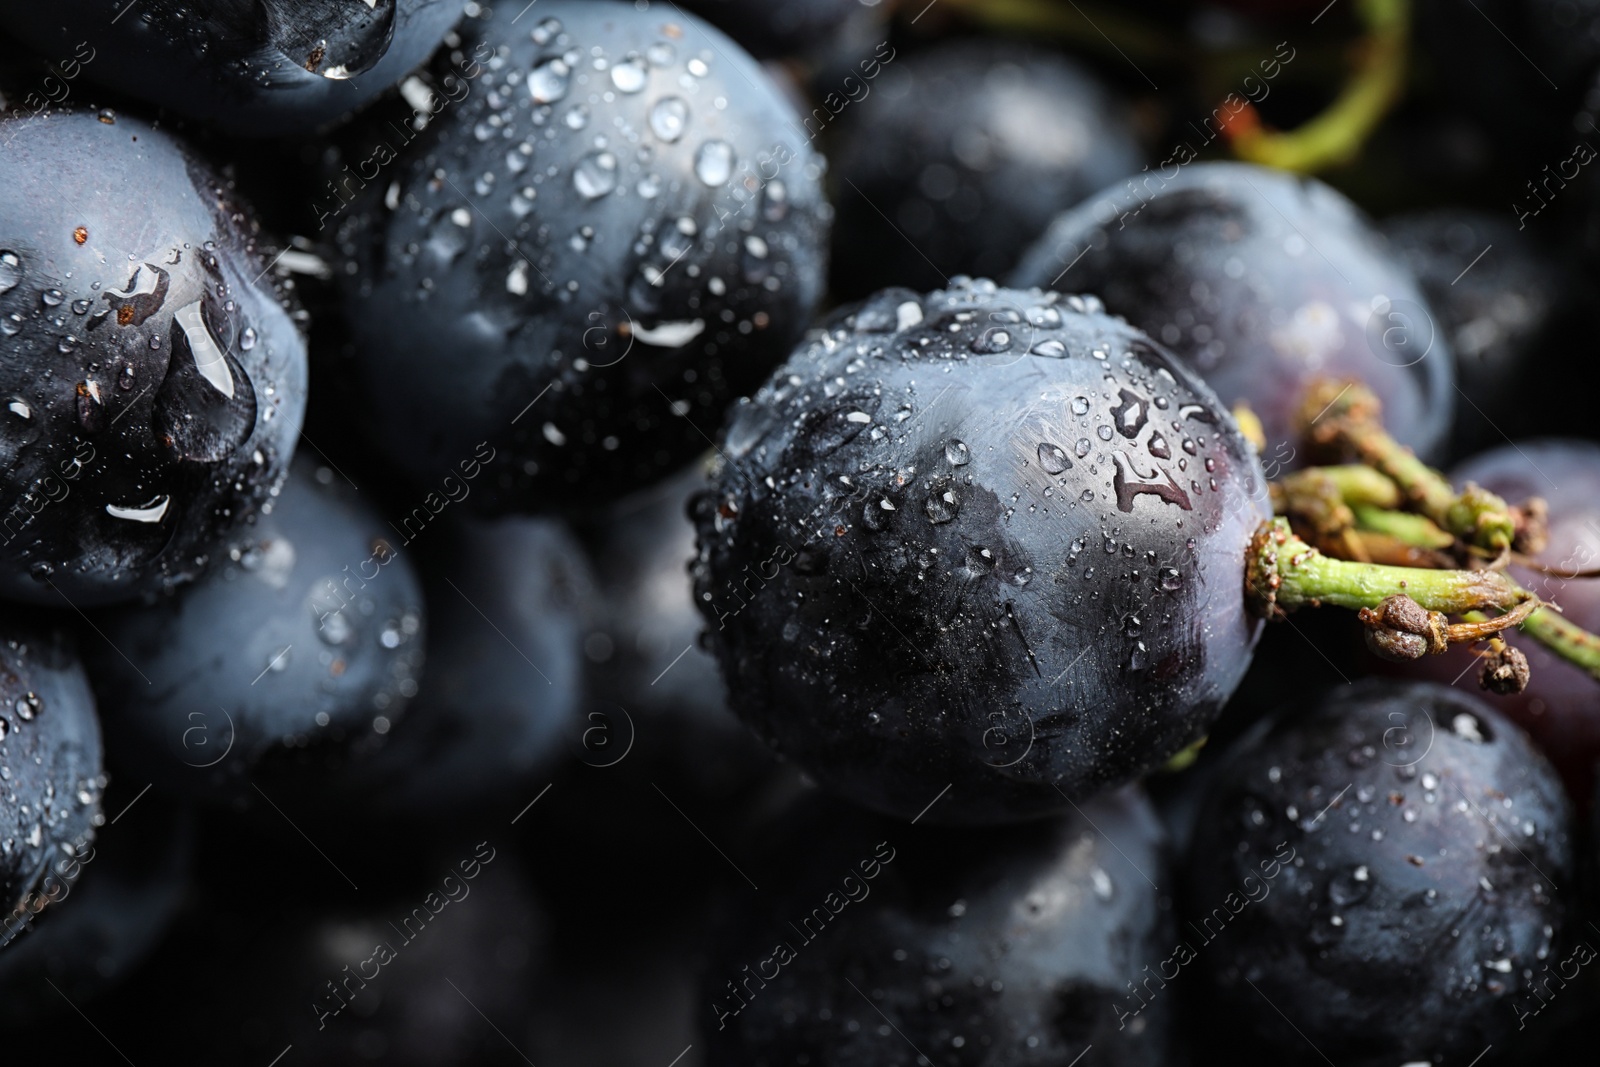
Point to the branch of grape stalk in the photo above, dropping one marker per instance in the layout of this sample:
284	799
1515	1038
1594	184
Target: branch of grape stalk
1342	530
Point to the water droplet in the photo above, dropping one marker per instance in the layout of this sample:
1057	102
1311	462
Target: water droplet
28	705
1082	447
545	31
52	298
1350	886
1103	432
1102	883
713	163
1158	447
669	118
595	175
548	82
447	237
203	347
1080	405
1130	482
957	452
517	279
1050	349
577	118
334	629
775	201
90	406
247	339
10	270
630	75
1139	658
942	504
1131	414
991	341
875	514
206	405
1052	458
152	512
1169	579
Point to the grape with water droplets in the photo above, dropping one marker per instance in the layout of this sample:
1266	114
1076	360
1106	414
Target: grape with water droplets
615	231
984	539
151	375
292	658
50	771
1261	281
255	68
1390	869
1006	946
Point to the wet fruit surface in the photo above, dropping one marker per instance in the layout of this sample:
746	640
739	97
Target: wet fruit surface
595	607
611	232
152	378
956	159
885	942
985	539
50	771
255	69
1260	281
297	654
1392	868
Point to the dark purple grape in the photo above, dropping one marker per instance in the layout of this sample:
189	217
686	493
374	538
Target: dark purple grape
153	380
955	159
1498	296
50	772
507	602
987	540
1383	876
294	657
616	230
654	692
255	68
790	27
1260	281
873	942
1560	708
